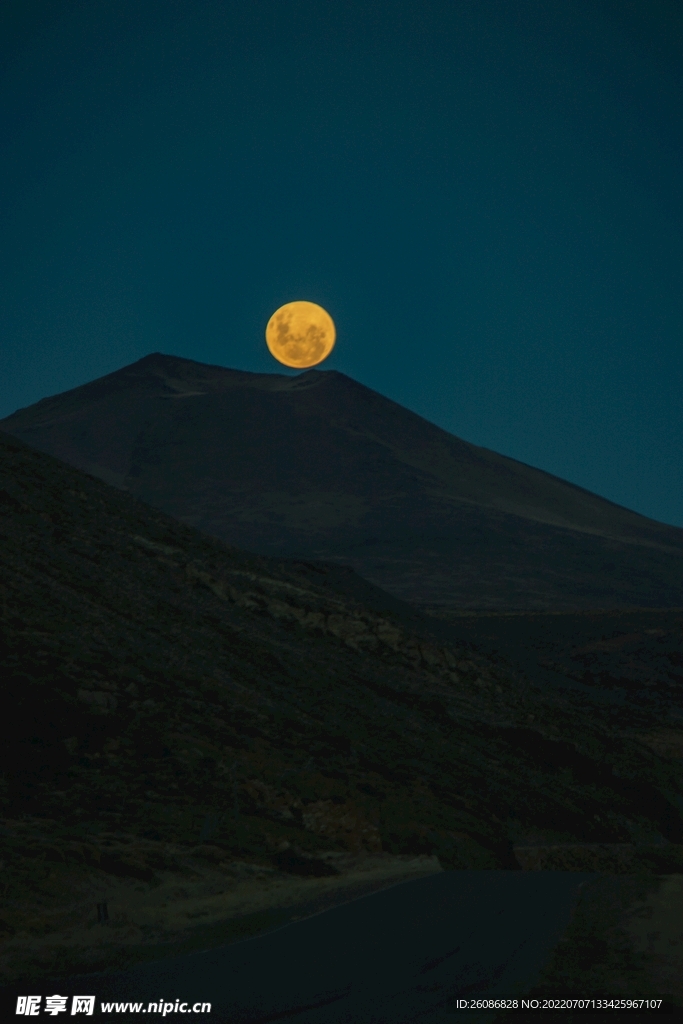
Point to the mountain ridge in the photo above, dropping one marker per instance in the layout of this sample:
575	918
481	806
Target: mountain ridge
320	466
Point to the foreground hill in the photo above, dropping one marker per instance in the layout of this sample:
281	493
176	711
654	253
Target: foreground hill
166	697
319	466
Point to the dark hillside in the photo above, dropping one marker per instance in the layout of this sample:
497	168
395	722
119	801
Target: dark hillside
146	664
160	687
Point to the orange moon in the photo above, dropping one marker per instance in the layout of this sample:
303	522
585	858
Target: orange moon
300	334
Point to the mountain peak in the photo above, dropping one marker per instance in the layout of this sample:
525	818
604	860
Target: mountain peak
319	466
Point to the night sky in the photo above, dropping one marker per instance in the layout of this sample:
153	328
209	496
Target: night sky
485	194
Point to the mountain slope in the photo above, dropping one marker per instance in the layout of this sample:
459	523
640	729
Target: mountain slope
161	689
100	591
319	466
118	621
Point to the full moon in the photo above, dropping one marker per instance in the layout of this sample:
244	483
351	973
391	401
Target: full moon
300	334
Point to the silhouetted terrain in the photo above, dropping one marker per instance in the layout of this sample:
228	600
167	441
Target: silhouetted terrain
319	466
161	689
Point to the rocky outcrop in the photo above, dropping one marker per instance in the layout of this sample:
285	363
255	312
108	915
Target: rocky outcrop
342	823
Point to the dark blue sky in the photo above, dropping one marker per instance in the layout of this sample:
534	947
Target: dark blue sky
485	194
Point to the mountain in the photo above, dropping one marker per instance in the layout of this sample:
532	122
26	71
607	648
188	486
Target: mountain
168	701
320	467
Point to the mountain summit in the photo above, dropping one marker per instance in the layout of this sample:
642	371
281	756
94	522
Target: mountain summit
320	466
